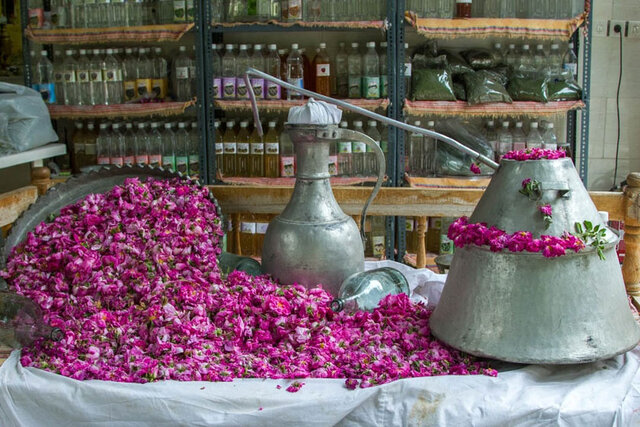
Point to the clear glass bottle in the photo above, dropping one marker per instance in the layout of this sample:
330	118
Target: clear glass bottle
371	73
43	78
354	64
570	62
103	152
160	81
414	153
230	150
272	152
272	67
359	152
243	61
182	82
95	76
511	57
322	68
58	79
345	161
540	61
505	140
518	137
168	148
116	145
69	76
229	73
534	139
22	323
258	62
342	72
112	78
549	138
295	72
363	291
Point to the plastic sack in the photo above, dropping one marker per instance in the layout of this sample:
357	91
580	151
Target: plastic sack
423	61
24	119
450	161
457	64
484	87
562	87
459	91
479	59
432	84
430	48
528	87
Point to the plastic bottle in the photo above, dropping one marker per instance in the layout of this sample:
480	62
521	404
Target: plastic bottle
168	148
505	140
463	10
570	62
179	11
371	160
511	57
322	68
384	76
540	61
363	291
359	152
295	70
21	322
229	73
77	142
534	139
526	63
90	145
112	78
492	8
258	62
194	151
219	147
144	74
128	144
492	136
287	157
272	152
243	61
354	64
295	10
345	163
284	54
102	146
564	9
118	13
160	81
371	75
498	54
430	153
549	139
216	64
44	79
230	149
342	72
538	10
140	151
415	156
518	137
116	146
129	74
182	149
272	67
134	12
70	83
36	13
256	159
154	146
95	77
243	149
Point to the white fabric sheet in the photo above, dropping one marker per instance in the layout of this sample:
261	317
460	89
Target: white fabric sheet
605	393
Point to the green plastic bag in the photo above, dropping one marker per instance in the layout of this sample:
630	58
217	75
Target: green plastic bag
457	64
479	59
528	87
484	87
432	84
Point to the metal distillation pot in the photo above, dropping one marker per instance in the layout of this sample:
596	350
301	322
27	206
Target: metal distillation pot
525	308
313	241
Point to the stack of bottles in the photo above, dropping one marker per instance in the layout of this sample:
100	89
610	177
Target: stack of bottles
241	153
108	13
548	9
299	10
113	76
420	157
174	146
353	74
505	136
537	57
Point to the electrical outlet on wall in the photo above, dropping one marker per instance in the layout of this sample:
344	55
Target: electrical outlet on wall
611	25
600	28
634	30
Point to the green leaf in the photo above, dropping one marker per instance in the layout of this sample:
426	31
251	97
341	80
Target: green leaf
588	225
579	228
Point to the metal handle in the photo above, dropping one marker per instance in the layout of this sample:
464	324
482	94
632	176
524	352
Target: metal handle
352	135
561	187
404	126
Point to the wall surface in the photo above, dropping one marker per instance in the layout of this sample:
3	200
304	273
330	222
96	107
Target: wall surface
604	82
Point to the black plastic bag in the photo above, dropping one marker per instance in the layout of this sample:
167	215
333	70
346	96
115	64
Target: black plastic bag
484	87
432	84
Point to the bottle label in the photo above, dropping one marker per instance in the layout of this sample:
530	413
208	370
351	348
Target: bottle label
130	90
58	77
83	76
169	162
102	160
95	75
258	88
194	164
182	163
142	159
159	88
241	89
273	91
323	70
371	87
384	86
217	88
573	68
143	87
117	161
298	82
248	227
446	244
192	71
359	147
377	242
407	69
257	148
36	17
229	85
272	148
190	10
111	75
155	160
295	9
287	166
333	165
243	148
230	148
128	160
261	227
48	92
179	12
344	147
219	148
69	76
355	89
182	73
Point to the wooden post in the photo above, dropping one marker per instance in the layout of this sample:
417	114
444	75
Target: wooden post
631	263
41	178
421	250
